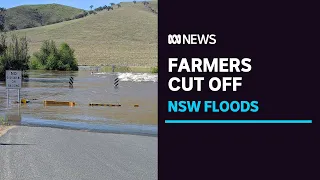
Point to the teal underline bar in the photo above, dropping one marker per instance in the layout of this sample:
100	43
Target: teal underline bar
238	121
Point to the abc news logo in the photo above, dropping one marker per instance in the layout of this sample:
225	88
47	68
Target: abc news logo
191	39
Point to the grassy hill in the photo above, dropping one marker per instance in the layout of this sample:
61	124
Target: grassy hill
125	36
39	15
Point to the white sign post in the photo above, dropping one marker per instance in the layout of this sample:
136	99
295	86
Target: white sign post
13	81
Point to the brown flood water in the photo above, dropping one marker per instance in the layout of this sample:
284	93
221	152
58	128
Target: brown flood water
134	88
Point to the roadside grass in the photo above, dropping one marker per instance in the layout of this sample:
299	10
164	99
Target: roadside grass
154	70
4	126
126	36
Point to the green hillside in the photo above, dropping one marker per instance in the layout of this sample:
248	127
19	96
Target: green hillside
39	15
124	36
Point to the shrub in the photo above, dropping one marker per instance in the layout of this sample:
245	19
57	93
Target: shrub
12	27
79	16
99	8
35	63
82	15
109	8
55	21
67	19
92	12
154	70
51	58
30	25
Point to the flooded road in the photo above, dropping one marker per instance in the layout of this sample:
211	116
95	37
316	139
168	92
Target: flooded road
134	89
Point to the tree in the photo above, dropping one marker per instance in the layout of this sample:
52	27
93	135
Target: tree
51	58
84	14
134	2
145	3
1	27
67	58
92	12
2	18
3	44
99	8
13	55
112	4
47	48
91	7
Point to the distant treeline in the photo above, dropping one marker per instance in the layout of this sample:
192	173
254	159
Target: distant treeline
101	8
12	27
146	4
82	15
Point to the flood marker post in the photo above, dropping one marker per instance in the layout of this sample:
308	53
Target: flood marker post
71	82
116	79
13	81
116	82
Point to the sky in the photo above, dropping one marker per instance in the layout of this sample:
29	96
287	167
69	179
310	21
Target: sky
82	4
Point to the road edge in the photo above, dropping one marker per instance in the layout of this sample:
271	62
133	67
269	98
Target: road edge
5	129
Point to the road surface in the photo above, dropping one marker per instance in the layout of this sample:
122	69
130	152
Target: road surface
32	153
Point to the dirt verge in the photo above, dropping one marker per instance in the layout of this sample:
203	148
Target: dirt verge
4	129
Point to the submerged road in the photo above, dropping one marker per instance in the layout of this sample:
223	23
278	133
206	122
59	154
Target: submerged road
32	153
